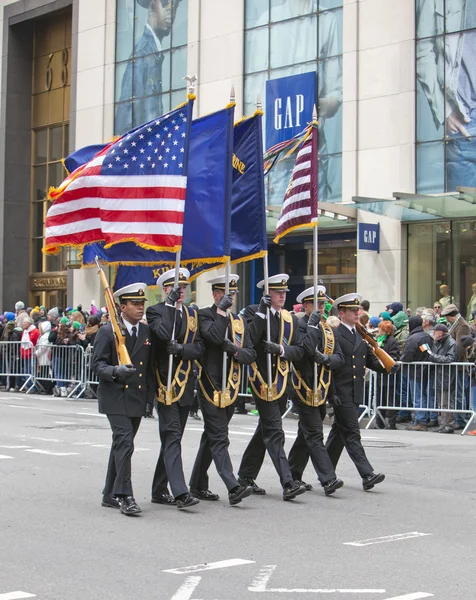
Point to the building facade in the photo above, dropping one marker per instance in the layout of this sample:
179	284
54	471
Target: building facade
394	85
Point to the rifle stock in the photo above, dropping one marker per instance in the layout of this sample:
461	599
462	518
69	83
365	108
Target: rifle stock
118	329
386	360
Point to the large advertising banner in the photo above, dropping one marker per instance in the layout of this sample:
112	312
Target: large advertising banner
151	59
446	94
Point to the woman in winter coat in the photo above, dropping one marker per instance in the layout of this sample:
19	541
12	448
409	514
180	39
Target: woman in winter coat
386	383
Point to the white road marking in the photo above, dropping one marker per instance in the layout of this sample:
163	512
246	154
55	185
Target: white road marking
38	451
186	590
2	456
387	538
43	439
260	582
16	596
415	596
91	415
15	447
221	564
65	423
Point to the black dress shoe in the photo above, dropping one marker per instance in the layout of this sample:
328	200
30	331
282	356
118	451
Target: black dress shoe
247	481
369	481
110	502
331	486
308	486
204	494
291	490
129	506
236	495
186	501
166	499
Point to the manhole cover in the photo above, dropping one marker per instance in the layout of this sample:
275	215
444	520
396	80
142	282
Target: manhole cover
383	444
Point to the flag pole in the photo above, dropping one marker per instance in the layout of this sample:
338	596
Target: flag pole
315	248
227	291
191	81
269	367
171	358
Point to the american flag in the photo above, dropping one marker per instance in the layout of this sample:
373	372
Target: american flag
300	201
133	190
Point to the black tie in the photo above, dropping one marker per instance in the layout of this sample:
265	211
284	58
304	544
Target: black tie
178	323
131	342
134	335
276	314
353	332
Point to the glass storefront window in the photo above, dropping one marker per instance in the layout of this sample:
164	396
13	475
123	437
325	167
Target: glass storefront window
430	167
152	38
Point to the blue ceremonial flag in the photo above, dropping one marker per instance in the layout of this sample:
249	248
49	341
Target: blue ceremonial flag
82	156
248	212
206	234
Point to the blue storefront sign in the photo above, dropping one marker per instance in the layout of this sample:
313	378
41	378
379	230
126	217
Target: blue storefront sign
369	236
289	105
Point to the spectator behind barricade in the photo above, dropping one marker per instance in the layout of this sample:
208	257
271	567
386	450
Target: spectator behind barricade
333	321
78	316
408	312
9	327
104	316
458	328
413	393
419	311
386	392
52	315
374	323
42	312
19	308
365	306
444	352
35	315
364	319
437	308
29	339
67	311
43	357
92	328
472	324
60	338
77	337
2	324
400	321
385	315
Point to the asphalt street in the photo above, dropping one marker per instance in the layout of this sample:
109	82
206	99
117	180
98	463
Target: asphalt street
409	538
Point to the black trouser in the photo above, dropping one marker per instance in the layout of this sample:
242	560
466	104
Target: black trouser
345	432
269	435
310	442
118	477
172	421
213	444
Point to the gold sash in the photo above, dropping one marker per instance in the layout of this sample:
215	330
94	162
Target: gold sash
258	384
303	391
181	375
214	396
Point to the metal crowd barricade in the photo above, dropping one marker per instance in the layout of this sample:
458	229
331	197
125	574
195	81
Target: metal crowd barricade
428	390
16	367
62	365
91	380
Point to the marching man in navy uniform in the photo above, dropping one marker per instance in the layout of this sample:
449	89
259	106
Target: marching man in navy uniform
349	387
284	348
221	331
320	347
124	393
173	405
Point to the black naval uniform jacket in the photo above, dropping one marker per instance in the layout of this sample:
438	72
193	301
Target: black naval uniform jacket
130	398
312	338
213	329
349	379
292	352
160	318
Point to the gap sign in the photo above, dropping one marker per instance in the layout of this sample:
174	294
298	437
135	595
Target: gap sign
369	236
289	105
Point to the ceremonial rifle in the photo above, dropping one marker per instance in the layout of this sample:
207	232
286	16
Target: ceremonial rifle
118	327
386	360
